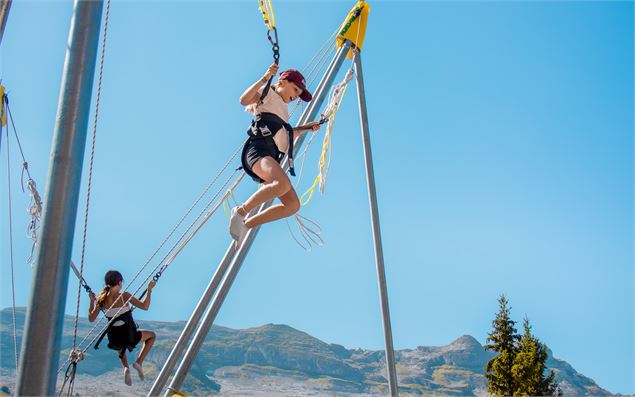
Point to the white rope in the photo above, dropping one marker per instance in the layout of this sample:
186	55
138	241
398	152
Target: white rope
15	332
35	208
90	172
75	358
335	100
147	278
309	235
35	211
321	65
205	190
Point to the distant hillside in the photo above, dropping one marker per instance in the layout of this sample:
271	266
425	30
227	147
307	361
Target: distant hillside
280	360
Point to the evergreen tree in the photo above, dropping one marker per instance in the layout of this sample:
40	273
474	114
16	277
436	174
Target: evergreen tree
529	367
502	339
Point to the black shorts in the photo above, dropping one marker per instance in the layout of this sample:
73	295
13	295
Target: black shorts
256	149
124	336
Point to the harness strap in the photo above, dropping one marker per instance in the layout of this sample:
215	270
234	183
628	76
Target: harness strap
102	336
259	131
105	332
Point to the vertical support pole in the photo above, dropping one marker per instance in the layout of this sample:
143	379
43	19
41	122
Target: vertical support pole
5	6
309	114
41	345
374	215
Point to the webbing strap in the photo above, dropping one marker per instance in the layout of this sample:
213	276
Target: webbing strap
274	118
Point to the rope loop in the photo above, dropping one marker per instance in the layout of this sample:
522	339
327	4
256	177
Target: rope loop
75	356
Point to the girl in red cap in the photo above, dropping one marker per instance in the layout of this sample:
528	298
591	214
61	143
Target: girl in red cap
270	138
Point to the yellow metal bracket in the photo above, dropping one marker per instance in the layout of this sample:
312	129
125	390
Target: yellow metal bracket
354	27
3	115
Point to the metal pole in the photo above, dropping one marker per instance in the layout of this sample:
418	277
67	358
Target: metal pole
41	345
5	6
309	113
187	332
374	215
177	350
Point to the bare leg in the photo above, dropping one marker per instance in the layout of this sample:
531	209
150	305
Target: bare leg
124	359
277	184
126	371
290	205
148	338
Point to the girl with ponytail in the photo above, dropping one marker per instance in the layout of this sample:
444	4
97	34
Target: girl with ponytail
123	332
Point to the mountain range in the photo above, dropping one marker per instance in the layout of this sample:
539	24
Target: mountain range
276	360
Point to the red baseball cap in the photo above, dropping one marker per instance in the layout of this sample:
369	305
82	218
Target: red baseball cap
296	77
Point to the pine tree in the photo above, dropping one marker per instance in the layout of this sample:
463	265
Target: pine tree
503	338
529	367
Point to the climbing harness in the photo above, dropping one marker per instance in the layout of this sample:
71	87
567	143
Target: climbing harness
262	130
122	333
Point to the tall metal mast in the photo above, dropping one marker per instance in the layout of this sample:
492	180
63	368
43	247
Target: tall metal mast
41	345
5	6
374	217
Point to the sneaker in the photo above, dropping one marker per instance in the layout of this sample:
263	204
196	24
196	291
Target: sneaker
126	376
236	223
241	235
139	369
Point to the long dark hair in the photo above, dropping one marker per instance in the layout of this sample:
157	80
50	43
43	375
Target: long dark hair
112	278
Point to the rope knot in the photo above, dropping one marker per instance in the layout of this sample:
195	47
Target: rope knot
76	356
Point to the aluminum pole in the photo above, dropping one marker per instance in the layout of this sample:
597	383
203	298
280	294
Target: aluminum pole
177	350
41	345
5	6
309	114
374	215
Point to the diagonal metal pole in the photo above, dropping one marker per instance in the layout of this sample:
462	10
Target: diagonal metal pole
43	330
309	114
177	350
374	215
5	6
199	310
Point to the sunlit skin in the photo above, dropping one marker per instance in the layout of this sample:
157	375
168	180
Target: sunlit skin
288	90
277	183
115	299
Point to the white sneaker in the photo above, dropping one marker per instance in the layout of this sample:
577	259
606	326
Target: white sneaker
236	224
241	235
126	376
139	369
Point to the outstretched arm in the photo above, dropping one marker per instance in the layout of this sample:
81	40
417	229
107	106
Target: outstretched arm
301	129
251	94
146	302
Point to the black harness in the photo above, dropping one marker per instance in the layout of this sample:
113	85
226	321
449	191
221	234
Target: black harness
120	337
263	127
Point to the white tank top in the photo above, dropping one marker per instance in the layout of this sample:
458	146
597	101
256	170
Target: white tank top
115	311
273	103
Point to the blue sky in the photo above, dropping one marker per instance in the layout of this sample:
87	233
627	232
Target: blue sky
502	137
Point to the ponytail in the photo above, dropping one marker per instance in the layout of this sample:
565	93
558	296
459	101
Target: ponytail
111	279
102	296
